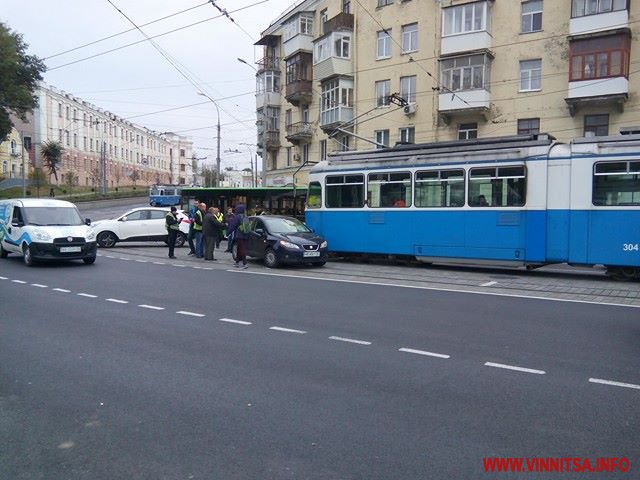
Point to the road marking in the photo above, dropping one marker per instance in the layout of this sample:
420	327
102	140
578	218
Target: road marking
88	295
4	278
115	300
517	369
39	285
178	265
19	281
287	330
123	258
350	340
423	352
437	289
63	290
159	263
615	384
488	284
192	314
142	261
231	320
110	256
151	307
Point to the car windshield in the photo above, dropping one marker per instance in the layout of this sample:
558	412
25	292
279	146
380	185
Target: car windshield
52	216
284	225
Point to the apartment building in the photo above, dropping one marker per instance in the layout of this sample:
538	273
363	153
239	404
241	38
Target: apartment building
99	146
12	161
344	75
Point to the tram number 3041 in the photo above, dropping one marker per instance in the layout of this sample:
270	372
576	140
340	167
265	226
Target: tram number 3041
630	247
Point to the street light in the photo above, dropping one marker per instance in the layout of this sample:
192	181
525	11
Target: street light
264	122
217	138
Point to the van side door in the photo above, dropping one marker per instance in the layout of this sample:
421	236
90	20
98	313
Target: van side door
15	230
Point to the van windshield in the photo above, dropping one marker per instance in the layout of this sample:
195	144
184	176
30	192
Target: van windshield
52	216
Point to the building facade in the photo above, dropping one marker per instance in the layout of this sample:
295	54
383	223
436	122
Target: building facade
14	159
101	149
343	75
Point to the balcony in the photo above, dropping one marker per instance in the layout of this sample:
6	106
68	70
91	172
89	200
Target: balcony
466	42
334	117
268	63
612	92
299	132
269	140
342	21
600	22
464	103
300	42
299	92
267	99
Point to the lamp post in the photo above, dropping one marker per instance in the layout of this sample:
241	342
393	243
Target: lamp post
217	138
264	123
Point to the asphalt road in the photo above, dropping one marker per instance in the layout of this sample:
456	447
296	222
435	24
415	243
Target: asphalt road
141	368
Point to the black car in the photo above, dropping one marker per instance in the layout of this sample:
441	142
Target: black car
284	240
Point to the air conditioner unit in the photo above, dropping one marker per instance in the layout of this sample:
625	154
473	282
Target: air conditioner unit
409	109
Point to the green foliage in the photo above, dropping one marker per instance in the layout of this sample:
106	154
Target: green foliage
19	76
52	155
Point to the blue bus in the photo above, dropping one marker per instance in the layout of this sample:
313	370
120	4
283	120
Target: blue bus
164	195
519	200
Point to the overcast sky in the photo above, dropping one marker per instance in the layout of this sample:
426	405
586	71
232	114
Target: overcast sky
136	81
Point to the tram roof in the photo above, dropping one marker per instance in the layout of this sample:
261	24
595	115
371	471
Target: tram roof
236	190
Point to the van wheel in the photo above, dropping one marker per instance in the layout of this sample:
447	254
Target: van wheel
89	260
107	239
3	252
26	255
270	258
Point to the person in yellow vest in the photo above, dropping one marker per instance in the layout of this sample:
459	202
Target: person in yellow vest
219	224
173	226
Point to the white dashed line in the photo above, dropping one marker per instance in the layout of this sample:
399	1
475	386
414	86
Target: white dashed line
231	320
350	340
191	314
151	307
115	300
179	265
615	384
4	278
109	256
423	352
142	261
88	295
287	330
488	284
517	369
63	290
159	263
39	285
21	282
123	258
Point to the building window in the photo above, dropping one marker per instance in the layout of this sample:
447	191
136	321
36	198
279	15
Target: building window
528	126
383	90
305	153
270	80
341	45
75	140
384	3
60	110
410	38
530	75
531	16
75	115
27	143
67	113
467	131
306	24
407	135
67	138
288	118
596	125
384	44
580	8
337	101
464	73
470	17
346	6
600	57
344	143
408	88
323	150
289	154
382	138
182	152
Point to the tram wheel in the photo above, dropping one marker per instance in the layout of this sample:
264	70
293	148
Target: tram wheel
624	273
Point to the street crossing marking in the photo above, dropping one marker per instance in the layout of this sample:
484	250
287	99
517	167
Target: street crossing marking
287	330
350	340
517	369
423	352
231	320
615	384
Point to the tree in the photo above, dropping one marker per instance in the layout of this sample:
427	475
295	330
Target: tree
135	176
37	178
52	155
95	175
71	180
19	77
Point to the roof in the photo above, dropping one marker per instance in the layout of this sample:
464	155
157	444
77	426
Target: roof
42	202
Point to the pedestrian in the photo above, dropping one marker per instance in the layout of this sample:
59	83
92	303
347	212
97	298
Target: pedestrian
51	192
173	226
192	232
228	218
236	228
211	228
219	225
197	228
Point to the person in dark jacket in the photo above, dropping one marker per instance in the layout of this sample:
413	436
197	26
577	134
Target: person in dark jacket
211	230
228	218
239	237
173	227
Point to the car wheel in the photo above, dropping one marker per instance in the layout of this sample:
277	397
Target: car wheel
107	239
3	252
89	260
270	258
26	255
180	239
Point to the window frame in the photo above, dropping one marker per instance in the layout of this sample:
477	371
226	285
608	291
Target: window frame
410	37
455	22
383	137
498	175
469	130
459	77
575	6
444	187
350	184
529	129
631	168
595	128
530	17
400	199
383	44
408	88
382	94
530	73
409	133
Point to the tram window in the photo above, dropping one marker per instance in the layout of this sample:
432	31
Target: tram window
389	190
497	187
345	191
440	188
616	184
314	195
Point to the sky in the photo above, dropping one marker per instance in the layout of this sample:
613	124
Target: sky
137	82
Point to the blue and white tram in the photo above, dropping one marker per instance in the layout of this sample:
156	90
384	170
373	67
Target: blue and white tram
164	195
519	200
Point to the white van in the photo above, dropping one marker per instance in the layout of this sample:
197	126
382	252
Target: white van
45	229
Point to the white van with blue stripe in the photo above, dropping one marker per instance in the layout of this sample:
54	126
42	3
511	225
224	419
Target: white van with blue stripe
45	229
